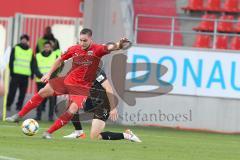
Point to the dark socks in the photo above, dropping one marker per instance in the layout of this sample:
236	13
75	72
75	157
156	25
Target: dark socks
111	136
76	122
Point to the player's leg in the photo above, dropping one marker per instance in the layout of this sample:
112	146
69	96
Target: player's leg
76	102
61	121
97	133
78	132
128	135
101	114
97	127
34	102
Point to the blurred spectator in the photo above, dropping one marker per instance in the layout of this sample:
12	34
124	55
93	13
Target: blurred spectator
42	65
21	68
48	36
55	48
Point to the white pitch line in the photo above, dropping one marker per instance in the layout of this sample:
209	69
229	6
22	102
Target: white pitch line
8	158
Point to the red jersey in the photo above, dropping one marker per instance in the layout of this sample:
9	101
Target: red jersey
85	63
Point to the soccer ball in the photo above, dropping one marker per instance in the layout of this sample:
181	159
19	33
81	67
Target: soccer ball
30	127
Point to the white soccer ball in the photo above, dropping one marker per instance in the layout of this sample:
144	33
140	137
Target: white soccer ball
30	127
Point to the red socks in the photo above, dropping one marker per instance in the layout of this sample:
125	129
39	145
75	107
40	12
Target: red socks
34	102
60	122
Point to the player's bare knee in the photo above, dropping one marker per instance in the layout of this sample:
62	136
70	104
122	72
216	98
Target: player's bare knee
42	93
46	91
73	108
99	137
93	136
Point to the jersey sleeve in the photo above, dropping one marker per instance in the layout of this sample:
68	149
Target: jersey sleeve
103	50
101	76
68	54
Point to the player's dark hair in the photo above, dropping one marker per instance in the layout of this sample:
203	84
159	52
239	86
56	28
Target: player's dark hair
86	31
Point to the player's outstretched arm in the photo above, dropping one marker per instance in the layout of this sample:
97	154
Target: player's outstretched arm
116	46
47	76
109	90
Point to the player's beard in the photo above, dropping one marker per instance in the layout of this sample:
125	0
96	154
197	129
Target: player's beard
86	47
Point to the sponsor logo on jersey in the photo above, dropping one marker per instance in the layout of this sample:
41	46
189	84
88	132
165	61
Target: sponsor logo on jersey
90	53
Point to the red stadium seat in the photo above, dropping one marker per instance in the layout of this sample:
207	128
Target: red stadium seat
237	28
206	25
231	6
213	5
196	5
202	41
225	24
161	8
222	42
235	43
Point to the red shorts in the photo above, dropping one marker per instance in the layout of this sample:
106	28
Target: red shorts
79	100
77	93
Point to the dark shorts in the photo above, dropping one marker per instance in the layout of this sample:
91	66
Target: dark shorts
101	113
98	104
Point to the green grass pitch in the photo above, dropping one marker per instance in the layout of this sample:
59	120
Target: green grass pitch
158	144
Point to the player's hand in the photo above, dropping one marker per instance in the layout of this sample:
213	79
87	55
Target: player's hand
113	114
122	40
45	78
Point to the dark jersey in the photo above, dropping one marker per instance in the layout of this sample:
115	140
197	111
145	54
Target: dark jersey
98	96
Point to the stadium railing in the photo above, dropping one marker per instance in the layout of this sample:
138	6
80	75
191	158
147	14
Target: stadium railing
186	29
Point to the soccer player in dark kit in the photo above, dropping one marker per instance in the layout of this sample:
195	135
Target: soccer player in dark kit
98	104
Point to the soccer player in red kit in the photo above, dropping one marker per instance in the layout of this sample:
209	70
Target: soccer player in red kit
77	83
